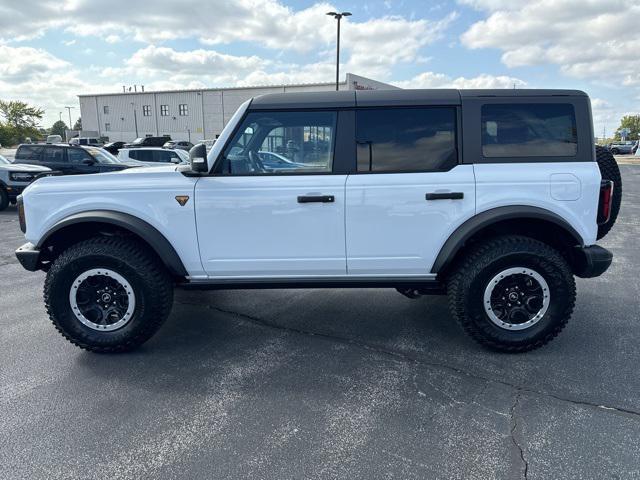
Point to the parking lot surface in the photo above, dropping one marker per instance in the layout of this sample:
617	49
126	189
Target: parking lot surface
325	384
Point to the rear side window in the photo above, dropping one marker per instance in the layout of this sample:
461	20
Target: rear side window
142	155
54	155
406	139
29	152
529	130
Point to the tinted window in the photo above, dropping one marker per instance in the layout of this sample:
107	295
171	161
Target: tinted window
76	155
529	130
29	152
406	139
53	155
142	155
282	142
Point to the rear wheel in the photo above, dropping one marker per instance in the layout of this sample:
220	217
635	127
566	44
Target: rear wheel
4	199
609	170
108	294
512	293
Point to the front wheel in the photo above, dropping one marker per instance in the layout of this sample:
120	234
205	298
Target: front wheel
512	293
108	294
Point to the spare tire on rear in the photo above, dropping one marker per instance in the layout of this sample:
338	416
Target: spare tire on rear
610	171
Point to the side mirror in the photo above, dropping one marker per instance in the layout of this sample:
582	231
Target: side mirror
88	161
198	158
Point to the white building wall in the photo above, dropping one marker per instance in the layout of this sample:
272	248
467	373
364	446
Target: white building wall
209	110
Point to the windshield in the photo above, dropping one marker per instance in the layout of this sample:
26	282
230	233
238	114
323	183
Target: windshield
101	156
4	161
138	140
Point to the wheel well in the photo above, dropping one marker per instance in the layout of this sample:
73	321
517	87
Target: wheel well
63	238
543	230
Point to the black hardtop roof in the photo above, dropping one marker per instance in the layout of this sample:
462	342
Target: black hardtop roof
400	97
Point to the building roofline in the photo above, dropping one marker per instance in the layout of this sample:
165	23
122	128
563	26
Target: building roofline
195	90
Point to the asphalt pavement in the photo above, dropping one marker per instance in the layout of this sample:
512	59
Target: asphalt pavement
325	384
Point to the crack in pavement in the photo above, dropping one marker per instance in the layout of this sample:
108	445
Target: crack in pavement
418	361
514	425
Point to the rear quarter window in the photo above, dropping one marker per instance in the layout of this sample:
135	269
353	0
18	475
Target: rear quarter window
529	130
29	152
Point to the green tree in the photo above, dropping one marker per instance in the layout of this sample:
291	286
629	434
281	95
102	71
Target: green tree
20	121
78	124
58	128
632	122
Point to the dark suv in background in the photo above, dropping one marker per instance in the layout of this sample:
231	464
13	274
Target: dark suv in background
148	142
69	159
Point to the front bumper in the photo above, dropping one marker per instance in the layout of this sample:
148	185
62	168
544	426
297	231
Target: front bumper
29	256
591	261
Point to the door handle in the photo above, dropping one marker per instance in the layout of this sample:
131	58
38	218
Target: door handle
444	196
316	198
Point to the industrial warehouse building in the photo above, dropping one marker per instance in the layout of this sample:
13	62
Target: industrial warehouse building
192	115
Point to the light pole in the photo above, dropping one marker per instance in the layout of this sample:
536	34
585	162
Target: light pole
135	117
69	109
60	116
338	17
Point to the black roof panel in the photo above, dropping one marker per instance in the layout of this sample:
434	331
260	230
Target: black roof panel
399	97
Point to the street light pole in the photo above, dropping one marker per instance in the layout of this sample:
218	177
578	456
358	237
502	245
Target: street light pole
338	17
69	109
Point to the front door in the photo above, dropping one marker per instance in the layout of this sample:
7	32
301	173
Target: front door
409	192
273	207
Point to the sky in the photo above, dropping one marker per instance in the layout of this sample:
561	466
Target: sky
52	51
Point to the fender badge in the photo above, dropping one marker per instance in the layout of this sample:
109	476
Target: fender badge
182	199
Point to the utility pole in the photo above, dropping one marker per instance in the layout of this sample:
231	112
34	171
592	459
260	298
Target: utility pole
60	116
338	17
69	109
135	117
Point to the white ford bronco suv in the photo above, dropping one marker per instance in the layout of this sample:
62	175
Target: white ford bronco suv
494	197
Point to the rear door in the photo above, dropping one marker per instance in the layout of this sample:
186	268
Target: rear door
409	192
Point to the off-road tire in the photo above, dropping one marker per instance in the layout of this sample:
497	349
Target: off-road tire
610	171
4	199
151	283
472	273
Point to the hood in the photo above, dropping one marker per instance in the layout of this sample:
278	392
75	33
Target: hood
21	167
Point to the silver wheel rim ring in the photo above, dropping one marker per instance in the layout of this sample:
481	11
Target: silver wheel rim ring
546	299
73	292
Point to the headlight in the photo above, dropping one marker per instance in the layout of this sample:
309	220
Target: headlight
21	176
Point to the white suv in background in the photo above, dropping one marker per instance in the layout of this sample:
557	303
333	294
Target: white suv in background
151	156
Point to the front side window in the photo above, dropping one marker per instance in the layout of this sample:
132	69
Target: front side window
281	143
529	130
406	139
164	110
76	156
146	110
183	109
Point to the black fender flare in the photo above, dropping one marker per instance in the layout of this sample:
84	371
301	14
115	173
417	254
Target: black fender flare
490	217
144	230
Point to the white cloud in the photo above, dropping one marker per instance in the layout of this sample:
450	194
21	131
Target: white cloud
440	80
589	39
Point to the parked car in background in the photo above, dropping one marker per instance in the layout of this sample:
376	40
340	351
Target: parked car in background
150	156
92	141
148	142
209	144
618	148
275	162
14	178
113	147
51	139
69	159
178	144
